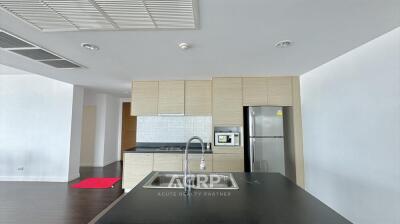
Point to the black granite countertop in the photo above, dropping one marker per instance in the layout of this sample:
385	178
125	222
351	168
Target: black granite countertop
262	198
159	147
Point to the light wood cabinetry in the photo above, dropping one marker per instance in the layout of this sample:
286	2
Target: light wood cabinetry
227	101
224	99
297	132
280	91
228	162
231	150
144	98
255	91
136	166
198	98
167	162
261	91
194	162
171	97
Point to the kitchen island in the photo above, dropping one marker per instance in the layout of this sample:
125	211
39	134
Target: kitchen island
261	198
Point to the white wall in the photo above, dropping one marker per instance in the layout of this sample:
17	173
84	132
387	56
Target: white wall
35	128
351	121
76	132
88	136
173	128
111	149
106	137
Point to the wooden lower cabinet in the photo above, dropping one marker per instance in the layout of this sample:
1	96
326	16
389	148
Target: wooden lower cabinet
228	162
136	166
194	162
228	150
167	162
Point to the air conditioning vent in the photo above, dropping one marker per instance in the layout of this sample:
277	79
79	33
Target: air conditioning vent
75	15
9	41
36	54
60	64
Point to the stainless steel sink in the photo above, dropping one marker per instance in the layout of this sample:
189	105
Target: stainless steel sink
217	181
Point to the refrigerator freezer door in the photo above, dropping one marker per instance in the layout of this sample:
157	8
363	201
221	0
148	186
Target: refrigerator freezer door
269	155
265	121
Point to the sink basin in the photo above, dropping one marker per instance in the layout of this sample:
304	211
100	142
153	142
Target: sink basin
202	181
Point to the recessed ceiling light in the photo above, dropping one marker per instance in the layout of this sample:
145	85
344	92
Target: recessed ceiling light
90	46
184	46
284	44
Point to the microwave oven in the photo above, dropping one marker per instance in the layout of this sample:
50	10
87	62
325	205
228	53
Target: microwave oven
227	139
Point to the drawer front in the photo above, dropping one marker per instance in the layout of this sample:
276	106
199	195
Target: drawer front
167	162
194	162
228	163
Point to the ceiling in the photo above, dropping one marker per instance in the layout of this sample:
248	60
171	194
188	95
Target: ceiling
6	70
234	38
78	15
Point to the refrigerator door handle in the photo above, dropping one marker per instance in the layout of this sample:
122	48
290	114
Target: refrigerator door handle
252	159
252	125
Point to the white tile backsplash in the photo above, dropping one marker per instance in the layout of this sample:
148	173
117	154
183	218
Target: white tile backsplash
173	129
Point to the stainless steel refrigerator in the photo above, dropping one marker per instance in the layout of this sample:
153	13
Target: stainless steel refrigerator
265	143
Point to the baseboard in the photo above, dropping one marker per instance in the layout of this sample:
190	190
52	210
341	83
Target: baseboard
97	164
74	176
33	178
108	163
92	165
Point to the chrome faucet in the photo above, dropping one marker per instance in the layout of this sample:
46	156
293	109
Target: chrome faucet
186	180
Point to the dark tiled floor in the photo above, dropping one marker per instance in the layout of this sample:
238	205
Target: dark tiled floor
38	202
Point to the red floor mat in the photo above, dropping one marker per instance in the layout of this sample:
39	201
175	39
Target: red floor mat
97	182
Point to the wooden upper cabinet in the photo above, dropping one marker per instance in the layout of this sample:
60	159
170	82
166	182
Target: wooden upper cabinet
227	101
171	97
280	91
144	98
255	91
198	98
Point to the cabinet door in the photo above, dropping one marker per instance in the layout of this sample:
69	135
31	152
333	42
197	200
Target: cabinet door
227	101
227	150
144	98
171	97
136	167
280	91
228	163
194	162
167	162
255	91
198	98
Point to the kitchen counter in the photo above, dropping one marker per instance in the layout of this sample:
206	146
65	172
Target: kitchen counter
261	198
166	148
158	150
